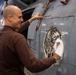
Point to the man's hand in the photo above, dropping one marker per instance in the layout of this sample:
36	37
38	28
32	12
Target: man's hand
59	48
56	56
37	16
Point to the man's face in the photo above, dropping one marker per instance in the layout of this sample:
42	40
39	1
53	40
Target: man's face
17	19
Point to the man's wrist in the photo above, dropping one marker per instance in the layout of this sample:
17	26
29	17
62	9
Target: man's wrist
31	19
56	56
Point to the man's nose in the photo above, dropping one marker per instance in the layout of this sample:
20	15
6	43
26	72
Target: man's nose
22	19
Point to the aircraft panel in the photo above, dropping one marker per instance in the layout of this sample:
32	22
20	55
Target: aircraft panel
62	17
72	51
72	69
63	23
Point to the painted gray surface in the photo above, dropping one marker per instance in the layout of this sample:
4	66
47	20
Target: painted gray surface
64	17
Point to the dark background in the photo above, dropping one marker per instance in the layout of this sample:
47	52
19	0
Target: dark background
28	1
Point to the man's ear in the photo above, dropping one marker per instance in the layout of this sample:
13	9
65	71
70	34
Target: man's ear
10	17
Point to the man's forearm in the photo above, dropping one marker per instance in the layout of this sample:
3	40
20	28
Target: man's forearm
31	19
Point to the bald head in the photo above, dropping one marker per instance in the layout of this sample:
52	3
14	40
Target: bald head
10	9
13	16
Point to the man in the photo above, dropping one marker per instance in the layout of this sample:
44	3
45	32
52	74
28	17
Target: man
14	50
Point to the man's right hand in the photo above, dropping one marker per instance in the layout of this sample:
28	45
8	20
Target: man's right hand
56	56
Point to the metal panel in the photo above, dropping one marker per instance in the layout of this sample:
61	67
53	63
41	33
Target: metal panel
65	24
32	27
63	17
